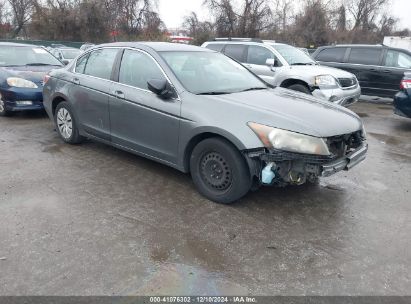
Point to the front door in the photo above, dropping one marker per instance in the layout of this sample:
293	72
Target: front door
140	120
256	62
365	64
90	91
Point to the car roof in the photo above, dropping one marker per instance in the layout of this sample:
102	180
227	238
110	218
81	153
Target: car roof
265	42
377	46
18	44
158	46
66	48
361	45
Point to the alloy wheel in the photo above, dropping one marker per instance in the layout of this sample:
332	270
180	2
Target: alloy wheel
64	123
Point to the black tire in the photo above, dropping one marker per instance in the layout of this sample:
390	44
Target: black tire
74	136
299	88
3	111
219	171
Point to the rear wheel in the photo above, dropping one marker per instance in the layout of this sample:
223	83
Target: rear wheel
3	111
299	88
219	171
66	124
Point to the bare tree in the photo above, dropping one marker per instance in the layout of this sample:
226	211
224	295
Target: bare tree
283	10
21	10
312	26
365	12
225	17
256	17
201	31
341	25
253	17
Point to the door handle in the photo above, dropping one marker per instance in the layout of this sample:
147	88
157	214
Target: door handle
119	94
386	71
76	80
373	70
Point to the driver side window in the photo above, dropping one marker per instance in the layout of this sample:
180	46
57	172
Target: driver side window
137	68
258	55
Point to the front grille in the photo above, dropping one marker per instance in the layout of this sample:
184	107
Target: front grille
342	145
347	82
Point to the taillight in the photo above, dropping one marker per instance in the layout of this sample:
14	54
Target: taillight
405	84
46	78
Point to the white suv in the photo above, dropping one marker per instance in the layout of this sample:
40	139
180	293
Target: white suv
286	66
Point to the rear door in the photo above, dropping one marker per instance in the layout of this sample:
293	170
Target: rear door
333	56
90	91
396	63
140	120
236	51
365	63
256	62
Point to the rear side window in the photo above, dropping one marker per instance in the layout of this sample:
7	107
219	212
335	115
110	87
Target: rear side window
258	55
236	51
215	47
81	64
331	55
100	63
397	60
367	56
137	69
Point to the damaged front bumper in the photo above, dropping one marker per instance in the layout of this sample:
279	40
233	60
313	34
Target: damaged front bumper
294	168
345	163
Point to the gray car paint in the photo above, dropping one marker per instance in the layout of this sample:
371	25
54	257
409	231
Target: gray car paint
189	115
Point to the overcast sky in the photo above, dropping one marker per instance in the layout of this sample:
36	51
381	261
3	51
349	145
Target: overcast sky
173	11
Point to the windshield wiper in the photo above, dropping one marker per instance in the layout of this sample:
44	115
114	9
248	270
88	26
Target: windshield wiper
303	63
254	89
214	93
40	64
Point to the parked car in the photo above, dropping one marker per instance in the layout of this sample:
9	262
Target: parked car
201	112
22	68
65	54
288	67
378	68
402	100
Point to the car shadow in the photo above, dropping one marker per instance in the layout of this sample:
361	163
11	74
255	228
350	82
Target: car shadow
27	115
404	125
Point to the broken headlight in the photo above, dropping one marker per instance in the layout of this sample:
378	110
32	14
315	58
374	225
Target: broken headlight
325	82
289	141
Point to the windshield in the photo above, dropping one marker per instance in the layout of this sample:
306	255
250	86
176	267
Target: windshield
293	55
70	54
211	73
22	55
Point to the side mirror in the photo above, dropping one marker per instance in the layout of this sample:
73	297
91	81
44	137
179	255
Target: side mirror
270	62
161	87
66	62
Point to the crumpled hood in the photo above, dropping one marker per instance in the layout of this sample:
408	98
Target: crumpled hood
316	70
293	111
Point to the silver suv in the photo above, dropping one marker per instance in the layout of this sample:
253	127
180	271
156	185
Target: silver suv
288	67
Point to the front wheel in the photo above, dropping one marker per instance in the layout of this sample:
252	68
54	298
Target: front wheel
299	88
3	110
219	171
66	124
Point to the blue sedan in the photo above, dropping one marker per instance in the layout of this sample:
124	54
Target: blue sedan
22	68
402	101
